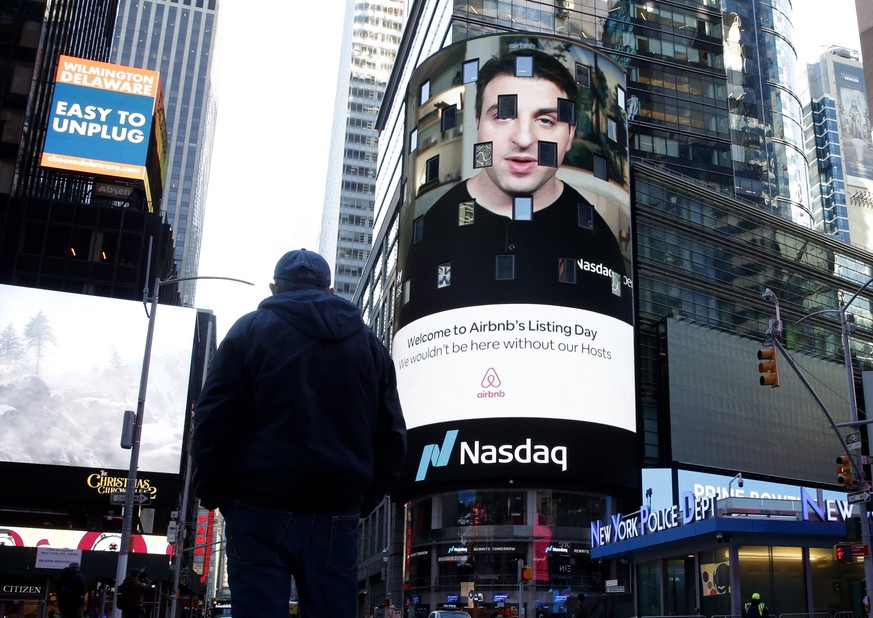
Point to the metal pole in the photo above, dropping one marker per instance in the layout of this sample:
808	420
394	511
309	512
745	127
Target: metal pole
856	457
130	490
179	540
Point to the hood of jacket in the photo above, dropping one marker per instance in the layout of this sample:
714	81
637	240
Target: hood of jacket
317	313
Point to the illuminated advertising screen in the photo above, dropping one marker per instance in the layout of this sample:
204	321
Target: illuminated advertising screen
101	118
854	121
16	536
514	320
70	365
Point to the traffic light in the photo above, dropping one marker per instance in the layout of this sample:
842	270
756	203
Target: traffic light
768	367
526	573
845	476
843	552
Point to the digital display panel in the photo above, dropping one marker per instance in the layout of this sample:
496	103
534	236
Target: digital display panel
514	257
70	365
722	418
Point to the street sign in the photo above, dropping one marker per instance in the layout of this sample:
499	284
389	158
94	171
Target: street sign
859	549
138	498
858	496
853	440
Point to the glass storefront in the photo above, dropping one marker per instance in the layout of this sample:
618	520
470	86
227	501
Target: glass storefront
790	580
496	548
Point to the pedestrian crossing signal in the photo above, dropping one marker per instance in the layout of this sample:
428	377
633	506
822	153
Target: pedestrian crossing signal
843	552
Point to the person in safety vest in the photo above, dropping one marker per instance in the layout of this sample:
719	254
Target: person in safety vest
756	608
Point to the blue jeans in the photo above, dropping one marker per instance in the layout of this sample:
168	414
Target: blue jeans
266	547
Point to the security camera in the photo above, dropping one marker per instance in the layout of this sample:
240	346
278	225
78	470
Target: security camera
719	537
768	294
740	483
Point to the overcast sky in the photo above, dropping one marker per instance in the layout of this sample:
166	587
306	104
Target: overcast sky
277	77
277	73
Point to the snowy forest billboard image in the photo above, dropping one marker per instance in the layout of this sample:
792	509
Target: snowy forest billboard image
70	366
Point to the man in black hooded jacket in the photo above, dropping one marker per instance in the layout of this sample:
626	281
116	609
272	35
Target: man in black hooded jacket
297	434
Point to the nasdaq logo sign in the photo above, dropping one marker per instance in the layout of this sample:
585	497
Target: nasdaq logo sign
525	452
437	456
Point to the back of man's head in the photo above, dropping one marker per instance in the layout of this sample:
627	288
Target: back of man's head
545	66
301	270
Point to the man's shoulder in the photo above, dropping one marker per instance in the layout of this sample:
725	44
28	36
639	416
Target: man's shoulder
455	195
570	196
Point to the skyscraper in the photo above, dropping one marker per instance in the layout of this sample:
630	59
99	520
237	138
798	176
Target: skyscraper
373	30
720	209
767	145
839	150
176	38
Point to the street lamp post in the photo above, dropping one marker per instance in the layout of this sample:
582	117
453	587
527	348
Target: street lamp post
773	334
130	489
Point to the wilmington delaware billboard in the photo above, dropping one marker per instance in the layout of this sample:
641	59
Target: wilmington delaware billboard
101	118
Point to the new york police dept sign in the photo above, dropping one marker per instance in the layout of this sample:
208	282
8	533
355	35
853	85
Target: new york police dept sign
690	509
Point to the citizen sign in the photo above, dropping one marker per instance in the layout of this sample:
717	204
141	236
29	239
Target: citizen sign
690	509
19	589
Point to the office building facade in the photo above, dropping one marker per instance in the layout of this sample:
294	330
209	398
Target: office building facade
372	36
177	38
720	213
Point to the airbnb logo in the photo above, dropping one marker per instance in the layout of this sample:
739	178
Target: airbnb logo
491	379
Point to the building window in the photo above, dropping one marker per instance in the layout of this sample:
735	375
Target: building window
471	70
404	292
482	154
507	106
524	66
620	96
449	118
585	216
566	270
522	208
611	129
600	167
466	213
413	139
504	267
566	111
547	154
432	170
444	275
583	75
418	229
424	93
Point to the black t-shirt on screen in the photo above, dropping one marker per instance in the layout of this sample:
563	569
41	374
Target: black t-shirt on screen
464	255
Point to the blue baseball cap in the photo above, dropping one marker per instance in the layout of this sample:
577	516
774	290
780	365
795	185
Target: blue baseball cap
303	266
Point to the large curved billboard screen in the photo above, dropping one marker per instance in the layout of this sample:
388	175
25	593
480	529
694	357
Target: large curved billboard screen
514	266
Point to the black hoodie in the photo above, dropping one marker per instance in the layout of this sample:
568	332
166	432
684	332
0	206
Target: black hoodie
299	410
